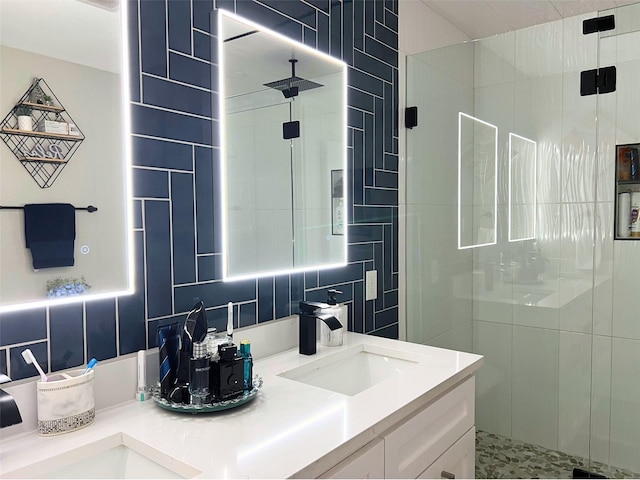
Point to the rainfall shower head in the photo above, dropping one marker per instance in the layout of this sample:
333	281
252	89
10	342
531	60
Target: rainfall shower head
290	87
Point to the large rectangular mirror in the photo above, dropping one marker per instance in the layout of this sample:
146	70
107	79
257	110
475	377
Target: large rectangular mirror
283	155
78	49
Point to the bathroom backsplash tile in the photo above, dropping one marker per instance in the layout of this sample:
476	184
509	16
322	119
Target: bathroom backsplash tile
19	369
265	299
175	161
184	235
207	214
175	96
209	267
283	24
201	18
137	214
150	183
101	329
310	37
159	153
179	16
247	315
194	72
322	39
3	361
158	248
131	308
66	333
152	37
19	327
202	47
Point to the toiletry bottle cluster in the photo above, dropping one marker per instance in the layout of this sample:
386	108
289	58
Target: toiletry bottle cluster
200	366
628	201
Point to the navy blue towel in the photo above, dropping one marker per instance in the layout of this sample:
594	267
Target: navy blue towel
50	232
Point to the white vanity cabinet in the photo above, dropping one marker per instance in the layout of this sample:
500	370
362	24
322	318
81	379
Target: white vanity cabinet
368	462
437	441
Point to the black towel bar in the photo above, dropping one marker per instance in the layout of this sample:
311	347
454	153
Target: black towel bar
89	209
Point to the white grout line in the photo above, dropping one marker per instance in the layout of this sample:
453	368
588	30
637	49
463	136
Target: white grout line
171	244
366	93
191	47
375	59
177	112
85	353
160	169
48	322
178	82
139	53
192	57
166	35
117	319
195	213
171	140
144	258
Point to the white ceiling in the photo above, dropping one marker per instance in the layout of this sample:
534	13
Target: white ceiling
483	18
78	32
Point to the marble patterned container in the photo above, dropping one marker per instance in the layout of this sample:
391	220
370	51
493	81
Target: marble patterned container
65	403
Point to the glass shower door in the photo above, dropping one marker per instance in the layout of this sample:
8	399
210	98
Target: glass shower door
519	290
615	395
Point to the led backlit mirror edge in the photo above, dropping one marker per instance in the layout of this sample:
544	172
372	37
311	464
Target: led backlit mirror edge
535	194
126	135
219	14
495	180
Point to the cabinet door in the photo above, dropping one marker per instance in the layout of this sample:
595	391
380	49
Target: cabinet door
421	439
457	462
368	462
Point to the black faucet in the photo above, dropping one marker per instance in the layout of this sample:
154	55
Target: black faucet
310	312
9	413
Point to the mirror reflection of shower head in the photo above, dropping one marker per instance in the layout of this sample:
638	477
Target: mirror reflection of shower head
292	86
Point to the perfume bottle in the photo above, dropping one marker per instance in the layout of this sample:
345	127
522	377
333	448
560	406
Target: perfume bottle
199	366
245	353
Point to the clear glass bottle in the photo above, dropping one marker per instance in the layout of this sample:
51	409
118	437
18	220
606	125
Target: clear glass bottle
245	353
199	367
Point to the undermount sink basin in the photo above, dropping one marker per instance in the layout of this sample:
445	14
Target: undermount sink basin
530	298
116	456
354	370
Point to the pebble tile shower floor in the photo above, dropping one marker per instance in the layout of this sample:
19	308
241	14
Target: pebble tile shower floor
501	457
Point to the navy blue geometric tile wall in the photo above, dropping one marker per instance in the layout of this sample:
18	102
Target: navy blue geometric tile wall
175	150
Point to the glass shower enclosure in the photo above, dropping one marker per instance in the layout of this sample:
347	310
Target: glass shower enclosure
511	189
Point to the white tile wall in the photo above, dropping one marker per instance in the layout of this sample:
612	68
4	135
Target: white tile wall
458	338
578	141
580	51
625	290
535	386
574	393
538	50
626	117
493	380
494	60
601	398
434	179
625	404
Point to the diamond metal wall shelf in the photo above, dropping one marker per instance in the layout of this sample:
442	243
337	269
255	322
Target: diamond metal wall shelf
43	154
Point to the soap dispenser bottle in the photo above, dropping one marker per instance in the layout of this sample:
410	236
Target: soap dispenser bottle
328	337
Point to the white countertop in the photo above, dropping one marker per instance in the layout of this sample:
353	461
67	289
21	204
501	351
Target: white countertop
290	429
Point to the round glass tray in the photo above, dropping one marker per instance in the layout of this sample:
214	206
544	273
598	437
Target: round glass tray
209	407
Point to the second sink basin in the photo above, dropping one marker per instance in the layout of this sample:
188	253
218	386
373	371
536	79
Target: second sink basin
116	456
354	370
